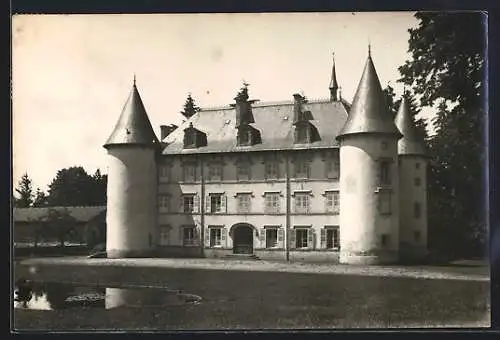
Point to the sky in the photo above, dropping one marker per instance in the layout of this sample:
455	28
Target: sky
71	74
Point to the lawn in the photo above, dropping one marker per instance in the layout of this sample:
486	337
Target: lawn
266	300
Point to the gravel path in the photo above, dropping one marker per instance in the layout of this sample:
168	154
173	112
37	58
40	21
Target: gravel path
216	264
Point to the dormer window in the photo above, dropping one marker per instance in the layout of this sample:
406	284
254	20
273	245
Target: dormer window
248	135
302	134
194	138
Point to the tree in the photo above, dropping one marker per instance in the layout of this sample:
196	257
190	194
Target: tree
75	187
190	107
40	199
243	93
25	191
447	67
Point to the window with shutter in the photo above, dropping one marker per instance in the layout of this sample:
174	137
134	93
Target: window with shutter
323	238
196	236
207	237
223	237
281	237
164	203
223	203
292	239
262	238
208	205
196	204
310	238
301	238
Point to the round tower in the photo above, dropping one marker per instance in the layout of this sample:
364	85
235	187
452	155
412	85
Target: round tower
413	187
369	211
131	219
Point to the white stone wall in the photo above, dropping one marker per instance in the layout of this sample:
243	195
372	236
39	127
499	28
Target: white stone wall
362	224
131	201
316	185
411	168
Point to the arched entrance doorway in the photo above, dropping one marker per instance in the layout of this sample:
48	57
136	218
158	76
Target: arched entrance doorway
242	235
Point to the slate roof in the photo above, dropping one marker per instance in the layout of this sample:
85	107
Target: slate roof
369	112
133	126
409	144
274	121
81	214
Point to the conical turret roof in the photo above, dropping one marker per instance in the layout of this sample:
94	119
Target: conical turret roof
333	81
369	111
410	143
133	126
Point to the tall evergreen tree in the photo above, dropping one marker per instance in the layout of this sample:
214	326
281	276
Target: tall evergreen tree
447	66
25	191
190	107
40	199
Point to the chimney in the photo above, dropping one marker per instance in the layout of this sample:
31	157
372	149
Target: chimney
166	130
242	111
297	107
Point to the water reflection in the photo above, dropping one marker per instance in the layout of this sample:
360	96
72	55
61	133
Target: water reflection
57	296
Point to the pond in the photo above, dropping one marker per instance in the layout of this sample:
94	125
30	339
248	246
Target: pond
38	295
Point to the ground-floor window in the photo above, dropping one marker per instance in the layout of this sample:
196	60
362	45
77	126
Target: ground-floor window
164	235
332	238
384	240
188	235
215	237
301	238
271	237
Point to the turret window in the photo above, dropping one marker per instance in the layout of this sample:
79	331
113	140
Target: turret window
385	172
417	211
384	202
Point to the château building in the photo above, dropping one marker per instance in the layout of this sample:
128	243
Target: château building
318	180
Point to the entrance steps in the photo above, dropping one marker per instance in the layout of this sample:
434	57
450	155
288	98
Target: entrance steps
241	257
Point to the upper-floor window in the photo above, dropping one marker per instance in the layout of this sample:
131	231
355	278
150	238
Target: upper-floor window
243	171
332	201
302	202
302	169
164	172
417	165
272	170
216	203
385	172
417	181
188	201
244	202
416	235
272	203
189	172
190	139
164	203
215	172
332	168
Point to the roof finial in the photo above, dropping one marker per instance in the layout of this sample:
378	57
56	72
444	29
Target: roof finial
340	92
134	79
369	48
